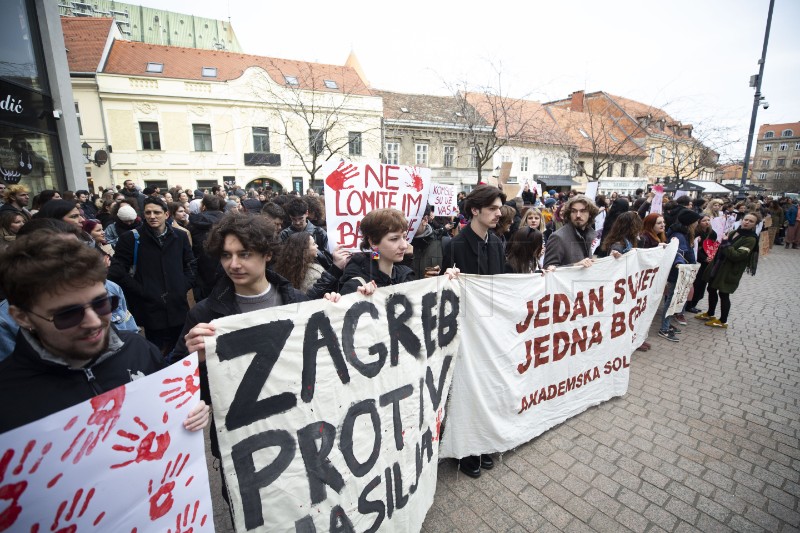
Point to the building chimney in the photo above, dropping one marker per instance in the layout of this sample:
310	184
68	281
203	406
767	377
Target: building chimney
577	101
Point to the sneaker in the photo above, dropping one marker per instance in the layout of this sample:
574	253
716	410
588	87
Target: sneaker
693	310
669	335
673	329
703	316
680	319
715	323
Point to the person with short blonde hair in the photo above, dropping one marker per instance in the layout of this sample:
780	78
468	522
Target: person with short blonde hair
16	198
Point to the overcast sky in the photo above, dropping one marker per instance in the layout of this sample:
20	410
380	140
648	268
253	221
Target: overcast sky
693	58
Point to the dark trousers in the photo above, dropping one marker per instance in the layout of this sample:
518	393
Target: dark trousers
699	287
723	297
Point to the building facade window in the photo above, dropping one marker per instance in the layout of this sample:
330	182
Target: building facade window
610	171
150	137
765	163
523	164
767	147
623	168
392	153
783	147
78	116
545	165
316	141
421	151
663	155
778	175
781	162
473	157
769	135
505	158
636	169
260	139
449	155
787	133
762	176
202	137
354	142
795	162
797	146
652	155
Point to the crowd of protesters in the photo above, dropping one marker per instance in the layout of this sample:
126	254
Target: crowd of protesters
167	263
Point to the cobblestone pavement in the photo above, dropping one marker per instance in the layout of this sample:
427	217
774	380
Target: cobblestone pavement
707	438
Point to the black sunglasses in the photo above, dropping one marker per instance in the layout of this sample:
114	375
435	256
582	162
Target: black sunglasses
71	316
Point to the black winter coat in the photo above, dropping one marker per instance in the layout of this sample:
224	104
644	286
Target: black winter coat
472	255
32	388
362	265
156	295
207	267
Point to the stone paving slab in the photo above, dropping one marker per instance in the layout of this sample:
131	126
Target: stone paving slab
707	438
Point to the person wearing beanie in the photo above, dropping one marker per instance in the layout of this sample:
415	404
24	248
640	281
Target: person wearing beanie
125	220
683	231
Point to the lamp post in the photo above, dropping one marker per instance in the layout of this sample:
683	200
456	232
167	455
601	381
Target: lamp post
100	156
757	99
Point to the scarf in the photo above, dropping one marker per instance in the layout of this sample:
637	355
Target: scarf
752	260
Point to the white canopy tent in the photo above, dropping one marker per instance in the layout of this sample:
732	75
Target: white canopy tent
711	187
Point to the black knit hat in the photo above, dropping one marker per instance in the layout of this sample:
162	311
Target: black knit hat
687	217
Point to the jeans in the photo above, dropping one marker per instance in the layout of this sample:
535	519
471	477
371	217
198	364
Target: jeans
669	290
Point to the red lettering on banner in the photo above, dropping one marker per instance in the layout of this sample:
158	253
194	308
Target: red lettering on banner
563	342
552	391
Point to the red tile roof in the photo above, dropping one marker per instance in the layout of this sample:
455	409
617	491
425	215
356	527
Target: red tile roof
131	58
778	128
522	120
595	132
420	107
85	39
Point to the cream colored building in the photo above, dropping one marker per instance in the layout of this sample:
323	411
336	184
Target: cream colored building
181	116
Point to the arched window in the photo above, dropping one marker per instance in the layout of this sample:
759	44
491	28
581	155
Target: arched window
769	135
787	133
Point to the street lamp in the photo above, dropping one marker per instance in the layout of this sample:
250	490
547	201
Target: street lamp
100	156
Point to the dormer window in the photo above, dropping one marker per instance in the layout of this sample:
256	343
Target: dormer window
404	110
291	80
769	135
330	84
209	72
155	68
583	133
787	133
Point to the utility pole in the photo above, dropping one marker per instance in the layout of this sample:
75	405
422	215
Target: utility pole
757	98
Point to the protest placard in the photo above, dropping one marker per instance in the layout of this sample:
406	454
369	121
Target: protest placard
684	283
354	189
121	461
537	350
329	415
443	200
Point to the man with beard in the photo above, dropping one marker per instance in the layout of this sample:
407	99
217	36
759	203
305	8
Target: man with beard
16	198
130	191
572	243
66	350
477	250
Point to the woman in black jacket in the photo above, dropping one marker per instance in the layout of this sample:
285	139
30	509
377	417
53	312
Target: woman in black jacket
384	246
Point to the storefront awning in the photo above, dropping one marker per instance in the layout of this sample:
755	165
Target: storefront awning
554	180
711	187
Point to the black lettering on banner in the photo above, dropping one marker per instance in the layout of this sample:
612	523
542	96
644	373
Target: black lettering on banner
420	447
421	403
429	321
394	397
437	392
268	340
366	506
319	323
319	470
387	473
400	499
340	522
448	323
400	332
369	370
305	525
252	481
346	439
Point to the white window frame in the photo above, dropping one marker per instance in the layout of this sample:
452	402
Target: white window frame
767	147
449	155
762	176
769	135
652	155
663	155
473	157
392	153
787	133
523	163
154	68
545	165
421	154
783	147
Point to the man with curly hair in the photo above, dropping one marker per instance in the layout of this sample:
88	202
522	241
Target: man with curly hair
572	243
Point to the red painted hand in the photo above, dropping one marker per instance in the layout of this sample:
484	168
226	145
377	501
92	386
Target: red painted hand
161	500
106	412
144	450
188	385
338	177
185	521
12	491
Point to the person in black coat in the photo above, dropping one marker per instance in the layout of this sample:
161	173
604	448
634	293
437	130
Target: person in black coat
155	274
200	225
384	246
476	250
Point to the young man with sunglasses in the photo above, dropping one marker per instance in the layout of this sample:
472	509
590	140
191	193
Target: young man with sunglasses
66	350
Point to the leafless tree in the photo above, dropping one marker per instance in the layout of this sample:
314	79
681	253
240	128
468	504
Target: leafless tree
317	111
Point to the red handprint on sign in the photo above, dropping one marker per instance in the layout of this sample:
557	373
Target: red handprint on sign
341	174
144	450
67	511
416	179
106	411
190	385
161	500
184	522
13	490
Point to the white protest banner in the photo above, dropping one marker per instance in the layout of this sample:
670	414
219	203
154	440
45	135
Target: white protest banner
443	200
657	203
121	461
354	189
686	276
719	225
591	190
328	415
537	350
